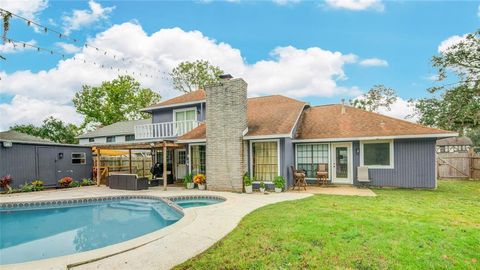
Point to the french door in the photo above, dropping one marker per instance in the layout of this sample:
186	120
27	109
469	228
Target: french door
342	163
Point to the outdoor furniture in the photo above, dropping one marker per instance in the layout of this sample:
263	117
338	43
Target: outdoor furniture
154	182
322	174
362	176
127	182
298	179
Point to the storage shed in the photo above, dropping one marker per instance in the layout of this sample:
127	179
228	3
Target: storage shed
26	158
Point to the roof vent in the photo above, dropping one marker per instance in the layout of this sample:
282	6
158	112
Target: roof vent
225	77
343	106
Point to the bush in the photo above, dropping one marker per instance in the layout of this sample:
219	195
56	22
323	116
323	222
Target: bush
65	181
188	178
86	182
74	184
27	187
5	182
37	185
247	181
279	182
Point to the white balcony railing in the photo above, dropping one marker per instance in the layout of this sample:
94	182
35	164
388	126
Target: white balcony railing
164	130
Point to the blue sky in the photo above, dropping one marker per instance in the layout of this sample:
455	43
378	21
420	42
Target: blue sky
325	45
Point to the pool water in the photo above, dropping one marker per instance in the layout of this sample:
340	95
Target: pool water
187	203
28	234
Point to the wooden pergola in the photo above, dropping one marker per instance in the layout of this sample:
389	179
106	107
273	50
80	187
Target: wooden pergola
164	145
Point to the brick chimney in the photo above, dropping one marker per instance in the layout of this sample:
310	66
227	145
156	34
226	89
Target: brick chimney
226	120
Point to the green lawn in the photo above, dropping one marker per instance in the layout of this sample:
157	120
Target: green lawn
398	229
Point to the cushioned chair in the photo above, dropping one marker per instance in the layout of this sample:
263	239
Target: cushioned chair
298	179
322	173
362	176
127	182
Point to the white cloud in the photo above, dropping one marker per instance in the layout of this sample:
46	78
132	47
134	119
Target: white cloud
24	8
285	2
400	109
450	41
68	48
289	71
356	5
81	18
18	47
27	110
374	62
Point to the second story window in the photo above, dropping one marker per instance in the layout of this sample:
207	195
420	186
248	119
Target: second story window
129	138
91	139
110	139
185	120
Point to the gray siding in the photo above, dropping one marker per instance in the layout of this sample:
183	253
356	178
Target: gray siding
28	162
166	115
414	165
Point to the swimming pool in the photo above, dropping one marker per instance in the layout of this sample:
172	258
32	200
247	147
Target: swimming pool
34	231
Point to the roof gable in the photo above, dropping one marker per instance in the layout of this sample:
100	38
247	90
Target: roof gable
191	97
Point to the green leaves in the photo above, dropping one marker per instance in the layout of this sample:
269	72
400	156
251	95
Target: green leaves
52	129
117	100
379	96
191	76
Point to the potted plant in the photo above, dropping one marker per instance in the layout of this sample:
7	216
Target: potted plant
262	187
200	180
247	182
5	182
188	181
37	185
279	183
65	182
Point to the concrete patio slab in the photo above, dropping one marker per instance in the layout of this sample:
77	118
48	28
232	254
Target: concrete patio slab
199	229
345	190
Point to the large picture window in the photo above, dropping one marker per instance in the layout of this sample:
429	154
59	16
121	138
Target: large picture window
265	160
198	158
309	156
377	154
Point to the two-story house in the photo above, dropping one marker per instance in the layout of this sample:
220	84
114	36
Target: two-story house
222	133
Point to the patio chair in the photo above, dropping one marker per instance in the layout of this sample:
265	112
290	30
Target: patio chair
322	174
362	176
298	179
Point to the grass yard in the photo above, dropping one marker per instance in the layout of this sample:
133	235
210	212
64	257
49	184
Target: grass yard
398	229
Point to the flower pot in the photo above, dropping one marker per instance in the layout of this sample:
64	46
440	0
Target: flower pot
249	189
201	186
190	185
278	190
262	190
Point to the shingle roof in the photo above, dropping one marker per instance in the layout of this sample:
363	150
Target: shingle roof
328	121
119	128
16	136
269	115
194	96
455	141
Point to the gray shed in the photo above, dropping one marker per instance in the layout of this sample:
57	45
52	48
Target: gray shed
26	158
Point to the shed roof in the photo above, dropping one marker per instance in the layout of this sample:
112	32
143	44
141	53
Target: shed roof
119	128
16	136
455	141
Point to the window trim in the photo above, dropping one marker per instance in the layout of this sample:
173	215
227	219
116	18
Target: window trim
190	156
251	142
329	159
184	109
84	158
392	160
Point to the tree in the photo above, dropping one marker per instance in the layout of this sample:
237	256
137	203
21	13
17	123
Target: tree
457	107
52	129
117	100
191	76
379	96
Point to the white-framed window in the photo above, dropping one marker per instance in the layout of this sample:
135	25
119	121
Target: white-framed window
308	156
79	158
377	154
265	159
184	119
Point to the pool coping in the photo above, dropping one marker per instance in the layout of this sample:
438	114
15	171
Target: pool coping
77	259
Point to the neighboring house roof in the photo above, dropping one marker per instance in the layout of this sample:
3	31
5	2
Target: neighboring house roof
455	141
328	122
188	98
119	128
267	116
16	136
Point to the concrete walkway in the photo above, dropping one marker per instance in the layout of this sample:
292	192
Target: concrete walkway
199	229
345	190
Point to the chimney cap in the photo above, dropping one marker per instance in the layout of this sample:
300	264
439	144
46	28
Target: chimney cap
225	77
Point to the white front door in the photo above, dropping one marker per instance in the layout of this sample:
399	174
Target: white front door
181	163
342	170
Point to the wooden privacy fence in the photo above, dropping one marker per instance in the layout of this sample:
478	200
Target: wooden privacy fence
458	165
140	165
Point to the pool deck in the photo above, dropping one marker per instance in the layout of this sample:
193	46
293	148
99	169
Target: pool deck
198	230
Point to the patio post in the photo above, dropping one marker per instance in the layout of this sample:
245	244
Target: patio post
130	160
164	165
98	167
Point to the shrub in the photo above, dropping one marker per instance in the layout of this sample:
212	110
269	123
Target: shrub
200	179
74	184
5	182
188	178
247	181
65	181
27	187
37	185
86	182
279	181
